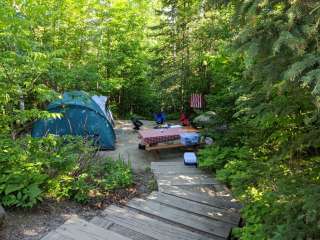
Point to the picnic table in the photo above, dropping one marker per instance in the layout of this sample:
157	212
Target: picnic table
155	139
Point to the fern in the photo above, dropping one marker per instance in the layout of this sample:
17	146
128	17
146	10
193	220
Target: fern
295	43
311	78
298	68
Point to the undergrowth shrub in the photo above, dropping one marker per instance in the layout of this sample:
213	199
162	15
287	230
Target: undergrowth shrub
279	202
55	167
115	174
216	157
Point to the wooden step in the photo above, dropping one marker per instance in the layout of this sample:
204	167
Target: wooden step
145	225
119	228
208	190
164	163
198	223
179	170
196	208
226	202
186	179
78	229
172	170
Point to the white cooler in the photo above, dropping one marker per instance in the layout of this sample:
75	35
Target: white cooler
190	158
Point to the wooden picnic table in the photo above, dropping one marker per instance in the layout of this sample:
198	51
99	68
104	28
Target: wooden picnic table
156	139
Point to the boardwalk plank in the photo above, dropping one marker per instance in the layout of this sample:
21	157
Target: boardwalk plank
176	165
172	170
197	208
199	223
216	201
186	179
78	229
164	163
108	224
148	226
208	190
179	172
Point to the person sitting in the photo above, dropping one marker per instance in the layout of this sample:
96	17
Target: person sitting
160	118
184	120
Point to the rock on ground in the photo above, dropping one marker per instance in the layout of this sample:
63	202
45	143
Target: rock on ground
2	215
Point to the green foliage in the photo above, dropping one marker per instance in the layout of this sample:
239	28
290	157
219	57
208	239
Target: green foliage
95	46
21	190
21	177
61	168
269	153
47	47
216	158
114	174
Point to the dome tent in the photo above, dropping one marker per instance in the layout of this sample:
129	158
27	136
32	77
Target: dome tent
81	116
102	101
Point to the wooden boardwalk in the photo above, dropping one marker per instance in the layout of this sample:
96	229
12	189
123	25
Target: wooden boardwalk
189	205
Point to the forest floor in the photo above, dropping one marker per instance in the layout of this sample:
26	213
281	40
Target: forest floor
33	224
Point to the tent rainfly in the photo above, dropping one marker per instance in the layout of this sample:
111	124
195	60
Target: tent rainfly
81	116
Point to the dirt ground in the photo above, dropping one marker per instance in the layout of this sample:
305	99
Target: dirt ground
35	223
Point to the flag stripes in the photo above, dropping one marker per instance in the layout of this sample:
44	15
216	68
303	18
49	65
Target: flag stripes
196	100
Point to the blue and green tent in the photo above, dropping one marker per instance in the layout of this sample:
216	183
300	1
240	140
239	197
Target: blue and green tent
80	116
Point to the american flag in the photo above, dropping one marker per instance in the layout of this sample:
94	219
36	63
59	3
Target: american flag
196	100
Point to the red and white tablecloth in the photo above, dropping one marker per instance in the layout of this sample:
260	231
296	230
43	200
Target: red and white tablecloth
154	136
